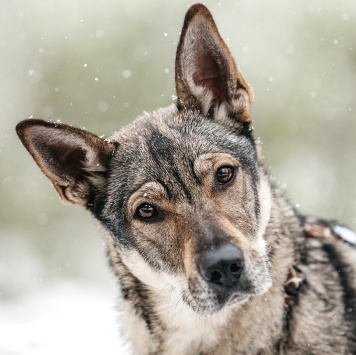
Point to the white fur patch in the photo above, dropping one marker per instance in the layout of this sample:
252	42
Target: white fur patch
186	330
265	198
346	234
140	269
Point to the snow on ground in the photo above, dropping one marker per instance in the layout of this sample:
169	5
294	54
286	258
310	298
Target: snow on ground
65	318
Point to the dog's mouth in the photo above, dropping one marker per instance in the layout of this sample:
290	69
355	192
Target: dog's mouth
226	278
214	303
237	298
206	300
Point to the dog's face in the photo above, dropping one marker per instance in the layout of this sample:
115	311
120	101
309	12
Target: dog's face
180	190
188	208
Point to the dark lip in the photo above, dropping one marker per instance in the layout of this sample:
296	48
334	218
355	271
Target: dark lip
233	299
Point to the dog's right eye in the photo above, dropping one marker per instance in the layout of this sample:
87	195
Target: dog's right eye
146	211
224	174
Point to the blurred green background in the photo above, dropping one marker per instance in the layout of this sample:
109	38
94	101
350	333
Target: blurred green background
100	64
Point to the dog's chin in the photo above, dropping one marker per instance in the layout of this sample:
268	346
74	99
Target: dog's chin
237	300
208	307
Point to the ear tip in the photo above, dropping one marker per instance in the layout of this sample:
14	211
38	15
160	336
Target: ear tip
197	9
28	123
22	125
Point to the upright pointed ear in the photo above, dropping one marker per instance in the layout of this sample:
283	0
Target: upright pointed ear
206	74
74	160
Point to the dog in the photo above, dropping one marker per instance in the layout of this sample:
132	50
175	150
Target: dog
210	256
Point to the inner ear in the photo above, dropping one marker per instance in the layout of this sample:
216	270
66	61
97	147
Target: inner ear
209	76
68	160
74	160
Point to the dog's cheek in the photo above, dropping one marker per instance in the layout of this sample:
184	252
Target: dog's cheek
139	267
200	297
265	202
257	277
196	293
159	245
241	205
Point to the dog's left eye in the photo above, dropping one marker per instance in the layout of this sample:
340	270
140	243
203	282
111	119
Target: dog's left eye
224	174
146	211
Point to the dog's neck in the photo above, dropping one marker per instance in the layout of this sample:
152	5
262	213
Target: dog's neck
156	320
180	329
164	324
159	323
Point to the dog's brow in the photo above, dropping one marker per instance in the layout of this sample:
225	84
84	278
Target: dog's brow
204	163
194	174
152	190
165	187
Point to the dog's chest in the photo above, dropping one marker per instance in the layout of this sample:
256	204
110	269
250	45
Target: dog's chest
185	332
192	336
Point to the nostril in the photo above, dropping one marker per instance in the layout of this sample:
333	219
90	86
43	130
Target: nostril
235	268
215	276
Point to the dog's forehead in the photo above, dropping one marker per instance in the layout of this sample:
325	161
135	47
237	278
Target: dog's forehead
157	145
168	131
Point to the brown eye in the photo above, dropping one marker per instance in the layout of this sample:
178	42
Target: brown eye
224	174
146	211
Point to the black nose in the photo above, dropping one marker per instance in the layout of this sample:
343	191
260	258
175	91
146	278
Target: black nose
221	265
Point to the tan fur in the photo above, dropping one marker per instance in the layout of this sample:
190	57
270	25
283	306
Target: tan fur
171	159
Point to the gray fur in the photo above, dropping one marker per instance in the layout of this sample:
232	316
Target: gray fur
169	159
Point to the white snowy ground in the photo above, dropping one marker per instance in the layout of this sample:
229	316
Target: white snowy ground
67	318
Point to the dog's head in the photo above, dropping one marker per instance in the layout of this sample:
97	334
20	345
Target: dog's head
180	190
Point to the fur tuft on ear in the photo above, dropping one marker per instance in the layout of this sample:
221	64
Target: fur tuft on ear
74	160
206	74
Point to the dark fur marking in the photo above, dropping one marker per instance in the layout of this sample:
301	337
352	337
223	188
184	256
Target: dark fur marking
132	288
257	202
287	331
304	258
165	186
180	181
160	147
143	307
349	294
